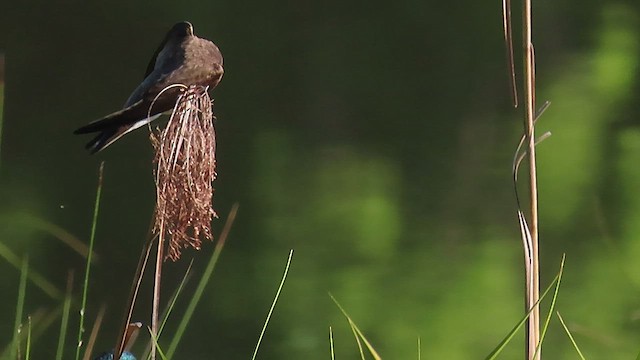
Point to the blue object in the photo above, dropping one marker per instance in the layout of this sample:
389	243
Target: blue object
109	356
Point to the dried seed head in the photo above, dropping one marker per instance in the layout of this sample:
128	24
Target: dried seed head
185	162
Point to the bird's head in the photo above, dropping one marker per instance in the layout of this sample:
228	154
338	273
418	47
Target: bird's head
182	29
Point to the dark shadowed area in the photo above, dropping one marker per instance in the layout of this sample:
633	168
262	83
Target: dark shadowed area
373	138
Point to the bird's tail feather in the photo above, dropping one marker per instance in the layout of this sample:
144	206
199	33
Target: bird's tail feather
109	135
113	126
118	118
104	139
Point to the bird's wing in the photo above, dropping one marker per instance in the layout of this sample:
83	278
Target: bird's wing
148	88
152	62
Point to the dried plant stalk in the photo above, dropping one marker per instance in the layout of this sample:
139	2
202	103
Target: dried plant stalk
185	162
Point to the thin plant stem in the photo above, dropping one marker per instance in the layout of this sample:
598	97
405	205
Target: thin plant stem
156	287
494	354
208	272
94	333
533	288
273	304
22	291
64	323
551	308
573	341
357	333
85	287
508	38
36	278
169	310
1	98
154	340
333	354
174	299
27	354
133	294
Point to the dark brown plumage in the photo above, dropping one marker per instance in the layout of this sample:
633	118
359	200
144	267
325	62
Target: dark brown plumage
181	59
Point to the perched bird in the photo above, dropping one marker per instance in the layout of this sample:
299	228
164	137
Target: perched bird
182	58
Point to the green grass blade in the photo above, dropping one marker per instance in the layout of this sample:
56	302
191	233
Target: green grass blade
22	293
85	285
573	341
41	321
172	303
358	342
551	309
370	347
203	283
37	279
333	354
97	323
64	324
154	339
174	298
273	304
27	354
1	98
57	232
357	333
419	349
494	354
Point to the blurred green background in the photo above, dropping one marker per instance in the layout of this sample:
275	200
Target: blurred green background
374	138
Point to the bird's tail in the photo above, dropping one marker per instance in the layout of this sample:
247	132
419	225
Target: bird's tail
116	119
113	126
104	139
108	135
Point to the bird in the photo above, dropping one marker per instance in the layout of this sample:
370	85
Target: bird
182	58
